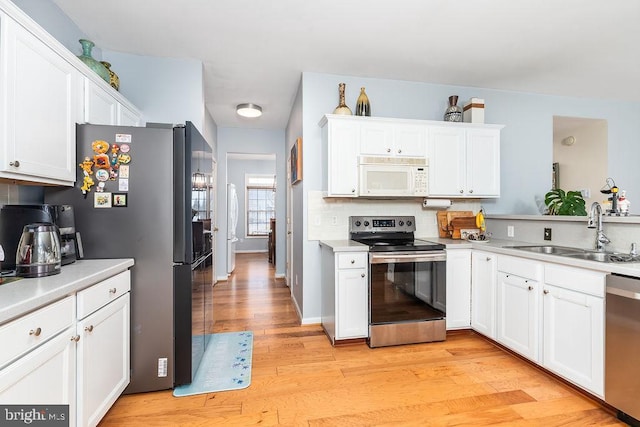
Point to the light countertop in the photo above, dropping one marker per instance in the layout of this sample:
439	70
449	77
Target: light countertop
22	296
505	247
344	245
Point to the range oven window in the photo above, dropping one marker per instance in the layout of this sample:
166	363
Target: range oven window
407	288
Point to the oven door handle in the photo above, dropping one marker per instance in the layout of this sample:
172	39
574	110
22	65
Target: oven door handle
391	258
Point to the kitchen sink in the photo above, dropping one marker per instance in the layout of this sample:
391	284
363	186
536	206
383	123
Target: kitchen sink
578	253
548	249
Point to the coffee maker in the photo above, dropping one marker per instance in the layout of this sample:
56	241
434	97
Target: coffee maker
13	218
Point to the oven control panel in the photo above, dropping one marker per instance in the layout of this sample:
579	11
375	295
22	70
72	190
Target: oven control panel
382	224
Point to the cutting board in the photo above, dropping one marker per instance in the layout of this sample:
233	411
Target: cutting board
444	221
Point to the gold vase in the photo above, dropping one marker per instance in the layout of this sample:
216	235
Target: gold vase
363	107
342	106
114	80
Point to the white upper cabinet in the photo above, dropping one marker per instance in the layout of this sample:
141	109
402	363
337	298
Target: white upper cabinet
392	139
41	93
100	107
128	117
464	161
340	139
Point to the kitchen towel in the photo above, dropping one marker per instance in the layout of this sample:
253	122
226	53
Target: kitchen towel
226	365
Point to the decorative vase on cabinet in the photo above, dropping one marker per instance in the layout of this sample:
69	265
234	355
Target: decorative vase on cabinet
342	106
114	80
453	113
96	66
363	107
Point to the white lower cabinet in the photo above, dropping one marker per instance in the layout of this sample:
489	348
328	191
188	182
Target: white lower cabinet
553	315
345	304
103	360
44	376
518	305
351	304
58	357
573	331
458	293
483	292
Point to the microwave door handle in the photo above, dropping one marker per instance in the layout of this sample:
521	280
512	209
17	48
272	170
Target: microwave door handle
389	258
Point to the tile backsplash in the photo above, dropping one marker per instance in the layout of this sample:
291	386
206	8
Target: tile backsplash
17	194
328	218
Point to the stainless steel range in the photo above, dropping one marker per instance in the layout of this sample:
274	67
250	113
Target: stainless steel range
407	281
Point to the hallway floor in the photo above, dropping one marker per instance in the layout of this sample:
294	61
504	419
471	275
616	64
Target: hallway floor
299	379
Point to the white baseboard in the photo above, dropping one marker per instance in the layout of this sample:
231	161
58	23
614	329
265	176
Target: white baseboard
311	321
280	276
222	278
252	251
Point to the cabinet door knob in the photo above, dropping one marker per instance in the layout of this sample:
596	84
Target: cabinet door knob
388	150
353	261
353	190
15	163
470	191
461	191
35	332
89	328
546	291
530	287
75	338
399	151
113	290
488	258
362	275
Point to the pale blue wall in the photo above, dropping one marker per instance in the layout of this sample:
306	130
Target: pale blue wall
298	209
259	141
167	90
237	169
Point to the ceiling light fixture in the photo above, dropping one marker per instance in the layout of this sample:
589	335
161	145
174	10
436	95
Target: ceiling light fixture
249	110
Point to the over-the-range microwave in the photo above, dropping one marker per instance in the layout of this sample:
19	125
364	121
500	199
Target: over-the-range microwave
393	176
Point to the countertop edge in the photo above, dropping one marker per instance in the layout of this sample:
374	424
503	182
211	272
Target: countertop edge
344	245
26	295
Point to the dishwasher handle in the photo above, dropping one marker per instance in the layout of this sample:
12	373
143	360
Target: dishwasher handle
626	293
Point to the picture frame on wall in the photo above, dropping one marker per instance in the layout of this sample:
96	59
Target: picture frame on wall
296	162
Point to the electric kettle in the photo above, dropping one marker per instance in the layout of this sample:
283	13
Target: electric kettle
38	252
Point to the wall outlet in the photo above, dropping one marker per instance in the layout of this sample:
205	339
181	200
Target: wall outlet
547	234
510	231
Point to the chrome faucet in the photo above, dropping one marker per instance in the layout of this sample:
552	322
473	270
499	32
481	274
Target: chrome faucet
595	221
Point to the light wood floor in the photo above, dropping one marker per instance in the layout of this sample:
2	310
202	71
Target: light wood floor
299	379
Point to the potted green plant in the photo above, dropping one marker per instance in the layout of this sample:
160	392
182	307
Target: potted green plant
560	202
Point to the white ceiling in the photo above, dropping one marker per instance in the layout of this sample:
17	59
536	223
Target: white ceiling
255	50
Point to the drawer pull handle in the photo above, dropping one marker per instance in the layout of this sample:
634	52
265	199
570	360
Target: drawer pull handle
353	261
362	275
37	332
530	287
75	338
113	290
15	164
546	291
89	328
488	258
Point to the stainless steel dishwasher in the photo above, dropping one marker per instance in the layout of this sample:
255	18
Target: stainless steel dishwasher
622	347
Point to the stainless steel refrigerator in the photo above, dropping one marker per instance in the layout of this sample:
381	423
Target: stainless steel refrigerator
133	198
